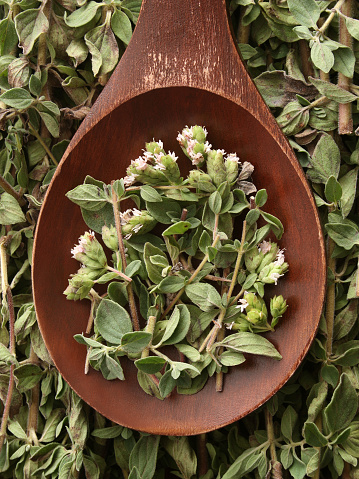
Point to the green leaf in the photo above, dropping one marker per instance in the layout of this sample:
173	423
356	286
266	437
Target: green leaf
293	118
325	161
112	321
144	456
28	376
346	354
343	406
250	343
171	284
322	56
348	183
344	61
135	342
8	37
332	91
17	98
306	12
49	432
261	198
313	436
180	228
111	369
109	432
87	341
288	422
82	15
166	384
204	295
215	202
190	352
333	190
151	364
231	358
177	326
10	211
352	25
346	319
29	26
276	224
98	218
150	194
343	235
89	197
154	272
180	450
121	26
330	374
103	47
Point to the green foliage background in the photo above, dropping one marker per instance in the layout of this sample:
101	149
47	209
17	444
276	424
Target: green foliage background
56	55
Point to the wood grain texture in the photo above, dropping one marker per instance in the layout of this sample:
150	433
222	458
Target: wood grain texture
181	68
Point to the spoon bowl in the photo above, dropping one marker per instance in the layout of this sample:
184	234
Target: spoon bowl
167	79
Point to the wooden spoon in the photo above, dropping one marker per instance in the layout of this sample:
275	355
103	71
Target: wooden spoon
181	68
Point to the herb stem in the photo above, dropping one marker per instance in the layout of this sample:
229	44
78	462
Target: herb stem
123	275
194	275
238	262
328	21
32	422
271	438
9	189
131	296
43	144
7	299
150	328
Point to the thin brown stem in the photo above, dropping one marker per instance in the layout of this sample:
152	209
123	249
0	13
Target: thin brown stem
304	51
7	299
271	438
131	296
202	454
9	189
345	124
243	31
32	422
328	21
43	144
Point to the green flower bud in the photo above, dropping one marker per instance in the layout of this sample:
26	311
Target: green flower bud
278	306
79	287
89	252
215	166
148	175
109	237
155	147
253	259
201	180
171	171
136	222
199	133
269	253
256	303
271	273
232	167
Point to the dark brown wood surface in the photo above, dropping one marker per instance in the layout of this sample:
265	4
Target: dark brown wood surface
181	68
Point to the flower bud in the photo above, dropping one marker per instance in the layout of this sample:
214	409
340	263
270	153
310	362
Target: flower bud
278	306
199	133
155	147
232	167
253	259
171	170
215	166
255	303
271	273
145	173
269	253
201	180
136	222
109	237
90	252
79	287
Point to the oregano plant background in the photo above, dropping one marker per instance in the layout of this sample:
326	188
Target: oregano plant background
56	56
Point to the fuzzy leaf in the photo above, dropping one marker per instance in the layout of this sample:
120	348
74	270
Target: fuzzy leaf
29	26
112	321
